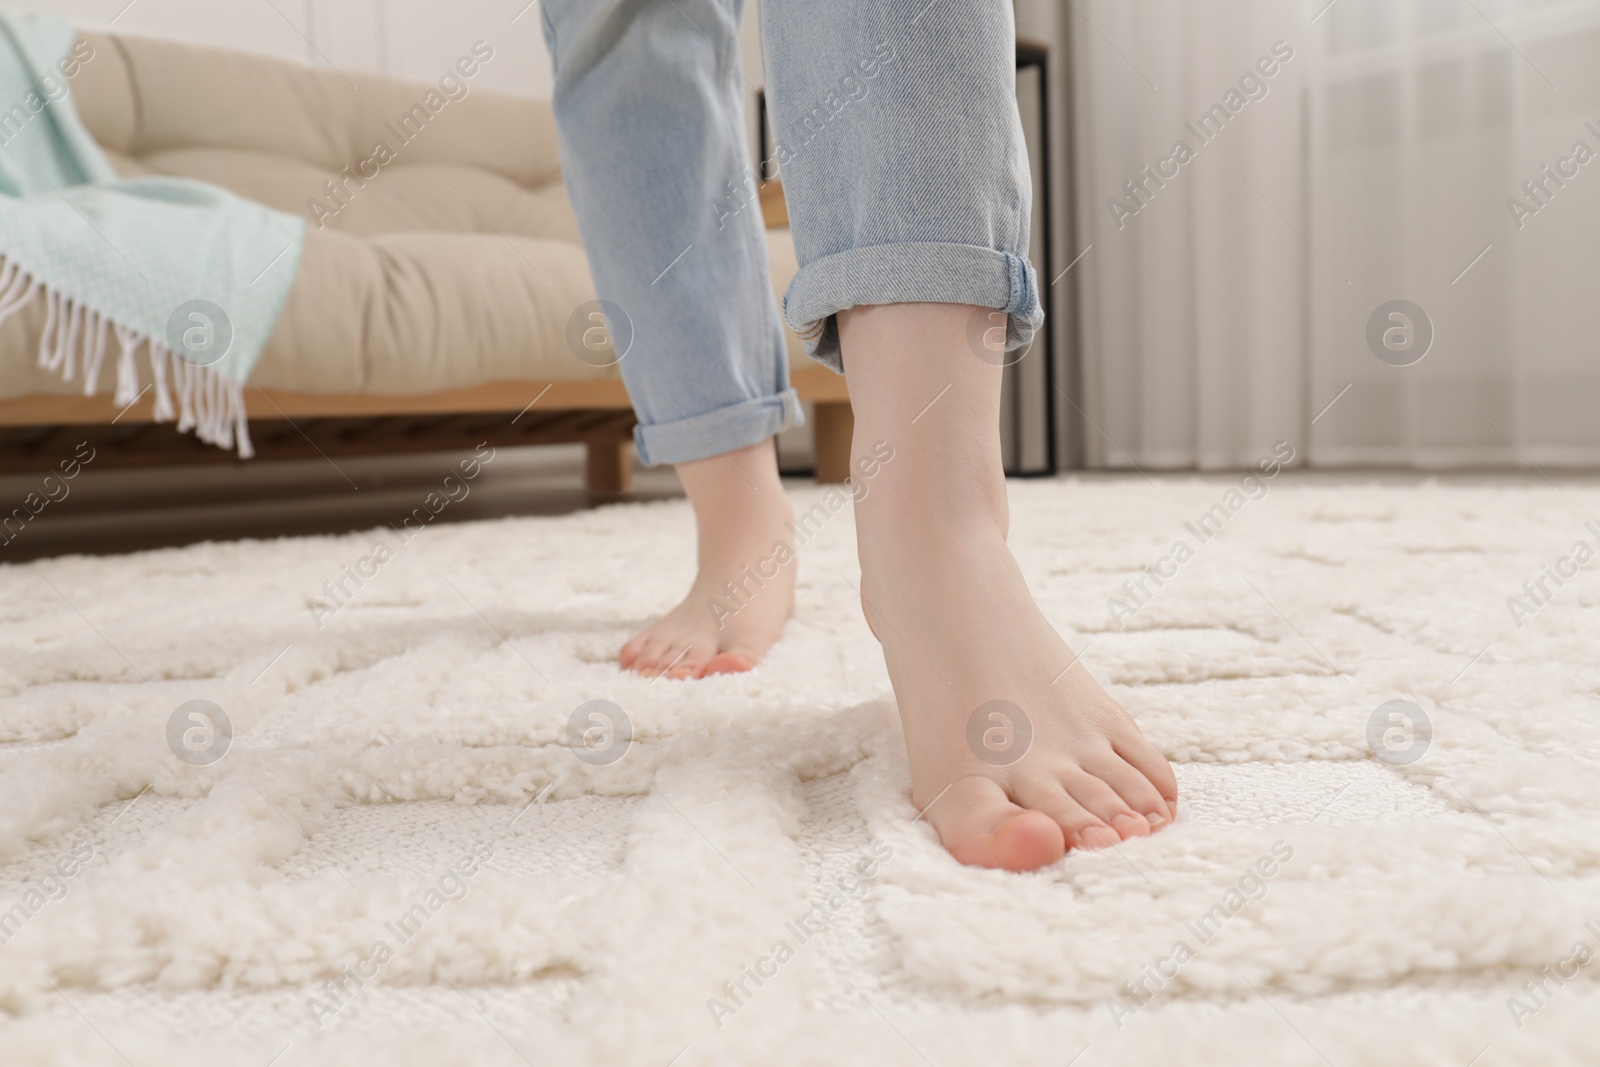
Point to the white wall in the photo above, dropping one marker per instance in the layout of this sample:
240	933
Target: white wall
402	38
408	39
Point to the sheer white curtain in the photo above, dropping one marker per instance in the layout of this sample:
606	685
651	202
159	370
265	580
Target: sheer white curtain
1227	296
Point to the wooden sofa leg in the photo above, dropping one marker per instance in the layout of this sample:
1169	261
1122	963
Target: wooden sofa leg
835	423
608	466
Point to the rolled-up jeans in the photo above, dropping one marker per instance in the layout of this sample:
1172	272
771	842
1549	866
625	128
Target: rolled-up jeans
903	165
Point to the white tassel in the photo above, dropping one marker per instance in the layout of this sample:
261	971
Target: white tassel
158	374
224	410
11	279
52	315
91	366
241	420
69	346
21	301
208	414
128	342
208	403
15	301
202	402
221	414
205	427
221	417
16	289
211	404
127	375
183	379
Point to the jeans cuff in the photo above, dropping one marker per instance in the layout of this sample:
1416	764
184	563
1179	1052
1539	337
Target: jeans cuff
712	433
908	273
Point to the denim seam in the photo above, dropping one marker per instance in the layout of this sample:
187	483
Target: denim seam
773	363
980	275
708	434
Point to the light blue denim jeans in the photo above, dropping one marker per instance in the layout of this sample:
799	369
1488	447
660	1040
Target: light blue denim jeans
903	164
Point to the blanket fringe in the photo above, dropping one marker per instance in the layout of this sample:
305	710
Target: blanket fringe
209	403
100	327
16	289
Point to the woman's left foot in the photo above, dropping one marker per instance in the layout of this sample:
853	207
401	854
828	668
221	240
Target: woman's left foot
744	591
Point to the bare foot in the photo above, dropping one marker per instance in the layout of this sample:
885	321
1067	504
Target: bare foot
1016	752
744	591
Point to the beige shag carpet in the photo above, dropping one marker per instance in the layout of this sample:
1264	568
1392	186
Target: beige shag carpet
399	859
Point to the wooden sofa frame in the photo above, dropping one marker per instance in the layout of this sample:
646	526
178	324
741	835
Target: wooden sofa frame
286	425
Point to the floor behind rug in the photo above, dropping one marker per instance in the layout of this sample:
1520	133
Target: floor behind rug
631	912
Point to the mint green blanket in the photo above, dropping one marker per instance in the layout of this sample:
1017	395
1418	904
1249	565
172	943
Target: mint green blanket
195	274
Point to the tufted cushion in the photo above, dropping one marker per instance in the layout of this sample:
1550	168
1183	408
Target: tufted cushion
457	264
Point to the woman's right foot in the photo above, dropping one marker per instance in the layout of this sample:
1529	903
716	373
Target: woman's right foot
1016	752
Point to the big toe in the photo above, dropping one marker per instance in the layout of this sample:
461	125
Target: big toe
981	827
1026	841
630	651
727	663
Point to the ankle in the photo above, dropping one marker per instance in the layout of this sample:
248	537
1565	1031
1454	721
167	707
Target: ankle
935	503
737	498
913	567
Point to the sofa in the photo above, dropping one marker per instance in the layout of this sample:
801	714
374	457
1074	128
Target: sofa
432	301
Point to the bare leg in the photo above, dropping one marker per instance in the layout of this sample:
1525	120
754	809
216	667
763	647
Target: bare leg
650	114
958	626
744	591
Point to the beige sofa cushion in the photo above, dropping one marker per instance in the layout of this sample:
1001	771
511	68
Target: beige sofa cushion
458	264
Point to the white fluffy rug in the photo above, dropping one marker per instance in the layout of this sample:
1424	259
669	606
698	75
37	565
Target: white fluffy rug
1332	907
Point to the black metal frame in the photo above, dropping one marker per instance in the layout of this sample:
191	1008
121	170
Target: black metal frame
1030	54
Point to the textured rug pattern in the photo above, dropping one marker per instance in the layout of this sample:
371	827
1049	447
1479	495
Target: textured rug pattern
399	774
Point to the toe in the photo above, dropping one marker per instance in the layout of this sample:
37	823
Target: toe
981	827
652	657
726	663
1099	837
1080	827
630	651
1136	790
1099	798
681	661
690	662
1024	842
1144	758
740	656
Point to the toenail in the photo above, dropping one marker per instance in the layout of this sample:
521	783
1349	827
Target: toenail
1124	819
1155	819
